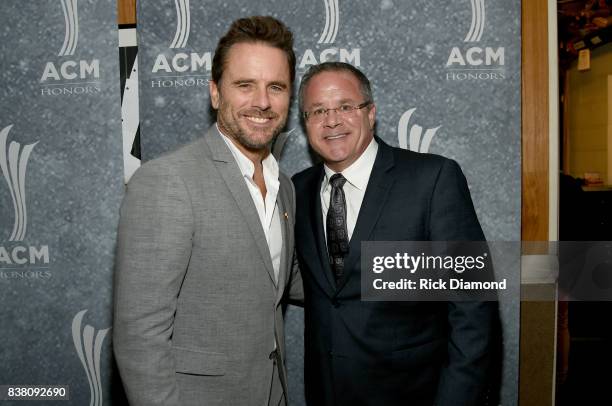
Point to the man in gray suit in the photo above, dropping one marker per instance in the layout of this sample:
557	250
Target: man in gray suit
205	243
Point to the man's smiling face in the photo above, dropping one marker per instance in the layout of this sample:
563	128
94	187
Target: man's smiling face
253	95
338	139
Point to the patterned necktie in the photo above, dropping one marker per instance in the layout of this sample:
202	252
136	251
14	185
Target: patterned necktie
337	236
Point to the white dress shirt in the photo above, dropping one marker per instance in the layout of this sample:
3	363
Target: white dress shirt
267	209
357	176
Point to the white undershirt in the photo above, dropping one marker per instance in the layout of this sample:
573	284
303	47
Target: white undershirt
267	210
357	176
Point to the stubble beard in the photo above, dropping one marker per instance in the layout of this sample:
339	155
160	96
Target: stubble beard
233	129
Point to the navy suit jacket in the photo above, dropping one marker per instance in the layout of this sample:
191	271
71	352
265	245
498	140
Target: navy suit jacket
392	353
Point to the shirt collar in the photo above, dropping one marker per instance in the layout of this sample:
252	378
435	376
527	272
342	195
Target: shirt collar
246	166
358	173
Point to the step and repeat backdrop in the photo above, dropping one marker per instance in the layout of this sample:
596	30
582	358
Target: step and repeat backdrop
446	80
60	190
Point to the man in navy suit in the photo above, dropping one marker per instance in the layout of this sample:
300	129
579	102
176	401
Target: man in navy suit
380	353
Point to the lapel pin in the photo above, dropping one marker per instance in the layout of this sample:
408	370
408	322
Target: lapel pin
286	216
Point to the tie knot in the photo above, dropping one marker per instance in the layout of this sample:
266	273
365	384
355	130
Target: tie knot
337	180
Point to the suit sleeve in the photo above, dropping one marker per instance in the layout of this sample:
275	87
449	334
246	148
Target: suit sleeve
464	379
296	287
154	247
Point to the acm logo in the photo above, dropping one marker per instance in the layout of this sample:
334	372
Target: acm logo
472	61
327	38
88	345
177	68
14	159
414	140
69	76
193	68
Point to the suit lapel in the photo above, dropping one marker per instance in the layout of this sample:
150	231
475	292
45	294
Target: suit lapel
318	231
313	248
376	195
231	175
286	260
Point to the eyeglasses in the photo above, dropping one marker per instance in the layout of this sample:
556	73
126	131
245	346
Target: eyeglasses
345	110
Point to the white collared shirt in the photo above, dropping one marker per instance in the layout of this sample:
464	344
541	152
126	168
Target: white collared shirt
357	176
268	210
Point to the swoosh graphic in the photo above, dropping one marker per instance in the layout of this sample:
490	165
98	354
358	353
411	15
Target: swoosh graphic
68	29
88	333
23	162
13	154
178	24
183	24
89	350
97	350
71	18
4	157
482	19
78	344
402	128
429	134
13	164
417	143
468	37
187	23
75	24
333	28
327	20
336	21
415	137
478	21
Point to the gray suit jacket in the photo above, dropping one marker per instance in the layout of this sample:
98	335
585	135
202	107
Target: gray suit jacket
197	309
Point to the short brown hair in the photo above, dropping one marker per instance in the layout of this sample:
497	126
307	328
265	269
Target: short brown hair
364	83
265	29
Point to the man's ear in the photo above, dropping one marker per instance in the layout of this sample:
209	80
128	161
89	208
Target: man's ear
213	89
372	116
